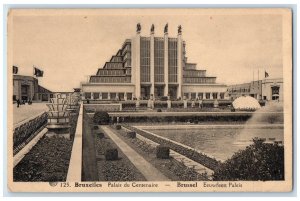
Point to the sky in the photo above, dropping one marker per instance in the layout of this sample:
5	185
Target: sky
71	45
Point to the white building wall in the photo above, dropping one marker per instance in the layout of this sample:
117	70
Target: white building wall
267	85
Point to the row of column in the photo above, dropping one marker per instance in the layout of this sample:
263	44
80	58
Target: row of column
109	96
204	95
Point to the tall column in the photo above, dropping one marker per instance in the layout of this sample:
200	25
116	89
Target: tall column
166	64
152	63
179	64
135	70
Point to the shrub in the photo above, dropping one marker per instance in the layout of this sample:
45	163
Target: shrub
95	127
159	110
131	134
111	154
259	161
118	127
164	98
101	118
100	134
162	152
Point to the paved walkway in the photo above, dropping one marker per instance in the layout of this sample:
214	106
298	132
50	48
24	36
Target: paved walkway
27	111
148	170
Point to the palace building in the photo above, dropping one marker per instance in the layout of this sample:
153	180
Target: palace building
152	66
265	89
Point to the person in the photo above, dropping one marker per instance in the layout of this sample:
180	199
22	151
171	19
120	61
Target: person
18	102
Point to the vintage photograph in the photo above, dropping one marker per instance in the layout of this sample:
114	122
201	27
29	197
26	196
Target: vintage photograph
150	100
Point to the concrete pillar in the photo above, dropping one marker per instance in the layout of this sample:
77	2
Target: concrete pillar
92	96
108	96
169	103
179	65
100	95
125	96
152	63
138	67
185	103
166	64
204	95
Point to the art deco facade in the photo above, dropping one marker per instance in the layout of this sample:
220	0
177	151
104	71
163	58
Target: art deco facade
146	66
265	89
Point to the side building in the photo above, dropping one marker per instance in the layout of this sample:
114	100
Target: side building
152	66
27	88
265	89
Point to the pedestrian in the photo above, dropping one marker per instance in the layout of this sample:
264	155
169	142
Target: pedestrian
18	102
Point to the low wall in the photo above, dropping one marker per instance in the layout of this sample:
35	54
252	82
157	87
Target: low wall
26	131
74	171
192	117
108	107
201	158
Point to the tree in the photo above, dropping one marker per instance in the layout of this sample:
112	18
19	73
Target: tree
259	161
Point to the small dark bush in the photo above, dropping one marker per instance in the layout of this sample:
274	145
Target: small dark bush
95	127
118	127
162	152
100	134
131	134
101	118
159	110
111	154
164	98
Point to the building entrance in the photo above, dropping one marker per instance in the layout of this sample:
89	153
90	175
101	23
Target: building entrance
25	92
173	92
145	92
158	91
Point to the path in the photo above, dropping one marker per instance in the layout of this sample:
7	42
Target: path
148	170
25	112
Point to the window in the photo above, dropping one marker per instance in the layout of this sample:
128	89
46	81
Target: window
159	59
145	59
222	95
96	95
193	96
104	96
200	96
172	60
88	95
215	95
121	96
207	95
186	95
129	96
113	96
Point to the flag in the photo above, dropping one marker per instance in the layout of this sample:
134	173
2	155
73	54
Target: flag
15	70
266	74
38	72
